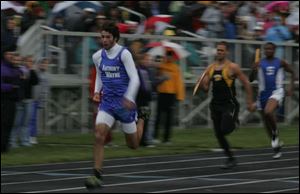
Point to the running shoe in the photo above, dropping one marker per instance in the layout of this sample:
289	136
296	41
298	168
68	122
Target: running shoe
230	163
144	112
93	182
276	145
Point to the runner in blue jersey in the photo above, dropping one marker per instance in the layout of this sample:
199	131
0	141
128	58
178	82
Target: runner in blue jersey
116	87
270	73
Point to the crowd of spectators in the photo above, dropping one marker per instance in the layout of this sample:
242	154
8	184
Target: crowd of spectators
250	20
212	19
24	83
247	20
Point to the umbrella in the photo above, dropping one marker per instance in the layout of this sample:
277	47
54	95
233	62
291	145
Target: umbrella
127	27
62	7
159	48
293	19
72	9
69	9
7	5
270	7
158	18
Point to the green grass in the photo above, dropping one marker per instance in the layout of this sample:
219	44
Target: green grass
74	147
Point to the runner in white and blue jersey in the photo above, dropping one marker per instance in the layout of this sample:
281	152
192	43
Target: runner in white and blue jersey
116	87
270	74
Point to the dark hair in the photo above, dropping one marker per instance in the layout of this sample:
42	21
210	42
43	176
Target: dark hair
113	29
169	53
272	44
158	58
8	48
223	43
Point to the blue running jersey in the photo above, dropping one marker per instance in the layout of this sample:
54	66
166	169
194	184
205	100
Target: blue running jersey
113	75
115	83
270	78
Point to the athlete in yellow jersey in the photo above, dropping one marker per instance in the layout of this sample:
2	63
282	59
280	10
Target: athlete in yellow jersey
224	105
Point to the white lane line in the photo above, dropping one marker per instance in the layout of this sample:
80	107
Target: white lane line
144	177
134	158
148	171
171	179
140	164
291	181
223	185
282	190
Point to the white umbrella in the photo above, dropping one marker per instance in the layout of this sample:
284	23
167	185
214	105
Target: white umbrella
293	18
5	5
160	48
82	4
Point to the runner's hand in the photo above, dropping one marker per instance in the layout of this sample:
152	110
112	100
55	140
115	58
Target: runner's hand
97	97
128	104
255	66
251	107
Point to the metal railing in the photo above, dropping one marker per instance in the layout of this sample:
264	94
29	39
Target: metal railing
193	111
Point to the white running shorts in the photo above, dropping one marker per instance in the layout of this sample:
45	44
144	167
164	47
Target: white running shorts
104	117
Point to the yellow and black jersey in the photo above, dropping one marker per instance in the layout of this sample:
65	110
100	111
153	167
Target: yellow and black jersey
223	88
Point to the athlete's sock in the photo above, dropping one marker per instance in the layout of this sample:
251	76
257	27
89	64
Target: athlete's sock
274	134
98	173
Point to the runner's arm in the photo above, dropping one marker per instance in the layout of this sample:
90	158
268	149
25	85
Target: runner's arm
98	83
253	73
288	69
134	81
206	81
242	77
